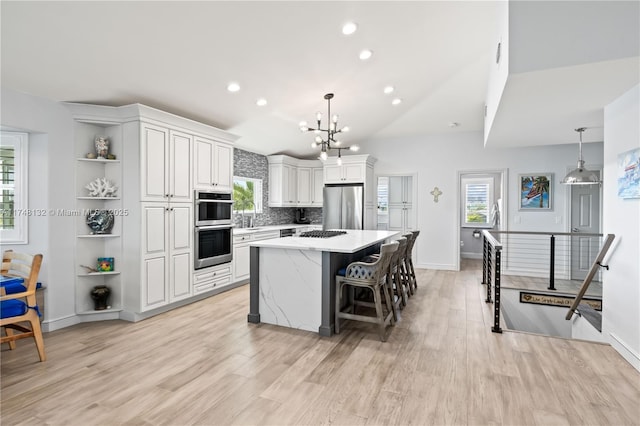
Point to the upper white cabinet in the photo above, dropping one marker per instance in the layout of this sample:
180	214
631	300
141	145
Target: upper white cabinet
166	164
317	186
345	173
294	182
213	165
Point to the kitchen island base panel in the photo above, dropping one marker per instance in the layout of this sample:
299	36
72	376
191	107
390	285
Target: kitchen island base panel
291	288
310	268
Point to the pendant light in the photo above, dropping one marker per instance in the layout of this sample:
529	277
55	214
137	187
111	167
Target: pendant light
331	131
581	176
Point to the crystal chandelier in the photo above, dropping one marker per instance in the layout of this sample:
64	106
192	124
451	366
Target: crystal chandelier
329	141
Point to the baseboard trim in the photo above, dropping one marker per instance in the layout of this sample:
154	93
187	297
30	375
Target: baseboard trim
470	255
439	266
139	316
627	353
57	324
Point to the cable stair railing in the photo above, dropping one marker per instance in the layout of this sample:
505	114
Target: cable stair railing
493	260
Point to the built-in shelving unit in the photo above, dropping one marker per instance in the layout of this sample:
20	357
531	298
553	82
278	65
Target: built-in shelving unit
89	246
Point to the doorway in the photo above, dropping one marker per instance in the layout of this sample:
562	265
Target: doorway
396	209
585	219
482	204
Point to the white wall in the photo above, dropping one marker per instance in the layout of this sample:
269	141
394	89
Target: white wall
51	186
437	159
621	284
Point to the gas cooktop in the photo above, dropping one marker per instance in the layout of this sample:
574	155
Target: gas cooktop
322	234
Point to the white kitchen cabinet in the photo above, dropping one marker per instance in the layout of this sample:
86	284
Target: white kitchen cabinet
213	165
345	173
213	278
242	249
152	241
167	253
241	257
305	178
292	182
166	164
283	185
317	186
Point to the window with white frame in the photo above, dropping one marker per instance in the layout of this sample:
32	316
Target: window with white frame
13	187
478	198
247	195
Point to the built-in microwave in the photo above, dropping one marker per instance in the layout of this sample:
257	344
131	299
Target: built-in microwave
213	208
213	245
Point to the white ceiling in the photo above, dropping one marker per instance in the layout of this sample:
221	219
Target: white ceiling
180	56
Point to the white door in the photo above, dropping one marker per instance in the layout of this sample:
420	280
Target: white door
585	219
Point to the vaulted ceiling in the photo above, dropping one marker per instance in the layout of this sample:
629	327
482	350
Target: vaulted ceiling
180	57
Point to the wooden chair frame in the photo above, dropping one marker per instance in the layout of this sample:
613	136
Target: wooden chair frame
377	282
27	267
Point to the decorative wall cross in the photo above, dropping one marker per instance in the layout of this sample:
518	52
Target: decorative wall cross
436	193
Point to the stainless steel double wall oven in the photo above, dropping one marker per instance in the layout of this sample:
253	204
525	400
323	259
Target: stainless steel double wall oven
213	228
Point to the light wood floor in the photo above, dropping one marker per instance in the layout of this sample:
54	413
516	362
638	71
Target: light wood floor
204	364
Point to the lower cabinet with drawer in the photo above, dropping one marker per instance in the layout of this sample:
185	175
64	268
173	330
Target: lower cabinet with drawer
241	252
212	278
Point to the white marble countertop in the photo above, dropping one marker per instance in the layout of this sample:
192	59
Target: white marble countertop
350	242
265	228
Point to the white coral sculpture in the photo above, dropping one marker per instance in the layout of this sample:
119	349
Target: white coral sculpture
102	187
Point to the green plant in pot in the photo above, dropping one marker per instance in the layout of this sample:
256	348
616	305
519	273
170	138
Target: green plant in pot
243	198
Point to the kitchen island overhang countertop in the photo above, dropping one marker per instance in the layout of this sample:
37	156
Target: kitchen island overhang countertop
292	280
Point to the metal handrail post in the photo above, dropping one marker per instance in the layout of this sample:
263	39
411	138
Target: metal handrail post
488	299
552	264
496	304
485	245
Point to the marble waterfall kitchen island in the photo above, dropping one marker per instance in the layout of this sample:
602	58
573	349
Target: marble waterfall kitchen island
292	280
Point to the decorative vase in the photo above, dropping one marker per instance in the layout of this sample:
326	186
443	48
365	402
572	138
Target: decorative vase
100	221
100	295
102	147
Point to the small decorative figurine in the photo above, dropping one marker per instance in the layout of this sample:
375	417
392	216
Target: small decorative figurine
102	147
105	264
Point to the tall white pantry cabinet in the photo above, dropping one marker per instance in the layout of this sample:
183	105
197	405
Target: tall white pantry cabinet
159	168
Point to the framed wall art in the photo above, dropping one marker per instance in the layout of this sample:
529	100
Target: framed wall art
535	191
629	174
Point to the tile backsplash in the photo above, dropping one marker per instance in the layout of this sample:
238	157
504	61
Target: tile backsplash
252	165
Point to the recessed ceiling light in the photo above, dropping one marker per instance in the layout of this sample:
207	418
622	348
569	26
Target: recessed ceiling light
396	101
454	124
365	54
261	102
349	28
388	89
233	87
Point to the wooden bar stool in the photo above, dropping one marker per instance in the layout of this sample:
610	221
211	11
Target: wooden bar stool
372	276
409	260
398	283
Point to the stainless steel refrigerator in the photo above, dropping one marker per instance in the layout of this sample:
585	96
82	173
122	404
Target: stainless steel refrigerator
343	207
